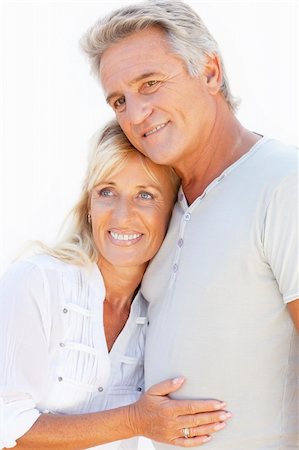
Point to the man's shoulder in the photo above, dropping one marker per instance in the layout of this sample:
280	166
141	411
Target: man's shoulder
274	161
279	152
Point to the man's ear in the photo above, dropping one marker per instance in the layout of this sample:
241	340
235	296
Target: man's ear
212	74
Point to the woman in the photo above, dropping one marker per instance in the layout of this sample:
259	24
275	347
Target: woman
73	321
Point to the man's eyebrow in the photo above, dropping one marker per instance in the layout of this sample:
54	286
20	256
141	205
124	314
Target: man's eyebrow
141	77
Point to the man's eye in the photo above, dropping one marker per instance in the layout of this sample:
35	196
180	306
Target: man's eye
150	86
145	195
119	103
151	83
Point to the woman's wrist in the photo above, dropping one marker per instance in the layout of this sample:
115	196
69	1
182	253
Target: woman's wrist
132	421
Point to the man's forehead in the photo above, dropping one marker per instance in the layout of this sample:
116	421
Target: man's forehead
138	56
138	45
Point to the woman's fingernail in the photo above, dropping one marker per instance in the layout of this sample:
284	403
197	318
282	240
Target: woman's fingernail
220	405
178	380
219	426
225	416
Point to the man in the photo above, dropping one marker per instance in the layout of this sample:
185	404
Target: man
223	289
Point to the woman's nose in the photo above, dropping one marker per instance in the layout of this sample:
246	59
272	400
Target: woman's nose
123	212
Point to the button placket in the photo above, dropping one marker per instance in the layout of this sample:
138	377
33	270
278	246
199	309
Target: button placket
186	217
175	265
180	242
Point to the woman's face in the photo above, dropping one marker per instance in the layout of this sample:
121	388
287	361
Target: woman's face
130	213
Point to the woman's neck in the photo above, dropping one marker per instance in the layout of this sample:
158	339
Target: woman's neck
121	283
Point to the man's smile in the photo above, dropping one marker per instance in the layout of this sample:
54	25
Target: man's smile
155	129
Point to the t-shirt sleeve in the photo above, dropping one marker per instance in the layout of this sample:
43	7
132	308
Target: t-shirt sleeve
24	335
281	237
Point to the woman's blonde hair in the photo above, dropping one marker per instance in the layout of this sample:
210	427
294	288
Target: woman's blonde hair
110	152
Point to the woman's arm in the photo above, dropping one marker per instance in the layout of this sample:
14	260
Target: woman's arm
26	324
154	415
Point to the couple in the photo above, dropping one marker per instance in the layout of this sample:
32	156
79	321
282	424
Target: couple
222	289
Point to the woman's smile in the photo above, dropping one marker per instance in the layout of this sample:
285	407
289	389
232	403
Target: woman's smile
124	238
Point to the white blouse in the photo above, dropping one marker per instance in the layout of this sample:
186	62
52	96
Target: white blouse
53	352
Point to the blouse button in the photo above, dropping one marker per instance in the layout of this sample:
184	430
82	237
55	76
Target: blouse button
100	389
175	268
187	216
62	344
60	378
65	310
139	389
180	242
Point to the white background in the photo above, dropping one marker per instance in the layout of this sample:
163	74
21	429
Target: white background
50	105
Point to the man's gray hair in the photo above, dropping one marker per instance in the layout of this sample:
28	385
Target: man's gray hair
186	33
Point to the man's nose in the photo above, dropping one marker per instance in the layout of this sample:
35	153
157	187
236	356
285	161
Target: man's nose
138	108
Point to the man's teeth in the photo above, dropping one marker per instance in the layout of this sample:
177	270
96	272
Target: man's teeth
125	237
158	127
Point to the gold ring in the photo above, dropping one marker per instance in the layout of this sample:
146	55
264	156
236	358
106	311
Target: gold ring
186	432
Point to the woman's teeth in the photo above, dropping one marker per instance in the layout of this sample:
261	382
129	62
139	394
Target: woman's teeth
124	237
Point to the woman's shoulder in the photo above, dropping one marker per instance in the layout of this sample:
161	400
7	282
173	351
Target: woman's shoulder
36	272
41	263
45	280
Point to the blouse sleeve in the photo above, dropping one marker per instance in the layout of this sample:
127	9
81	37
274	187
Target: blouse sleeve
24	336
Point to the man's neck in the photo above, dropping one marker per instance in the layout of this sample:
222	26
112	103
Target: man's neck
228	142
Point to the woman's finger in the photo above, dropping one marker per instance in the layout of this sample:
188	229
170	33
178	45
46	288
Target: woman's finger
205	430
166	387
195	420
190	407
191	442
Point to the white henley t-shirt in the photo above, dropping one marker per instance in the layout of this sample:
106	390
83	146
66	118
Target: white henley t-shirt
217	293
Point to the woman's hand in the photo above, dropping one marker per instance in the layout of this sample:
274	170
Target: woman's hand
162	419
154	415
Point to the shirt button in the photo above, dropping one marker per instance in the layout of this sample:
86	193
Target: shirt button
180	242
100	389
65	310
175	268
187	216
62	344
60	378
139	389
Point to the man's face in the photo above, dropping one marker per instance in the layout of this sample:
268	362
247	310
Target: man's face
164	112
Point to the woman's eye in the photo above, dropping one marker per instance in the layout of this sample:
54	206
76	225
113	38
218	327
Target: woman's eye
145	196
105	193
